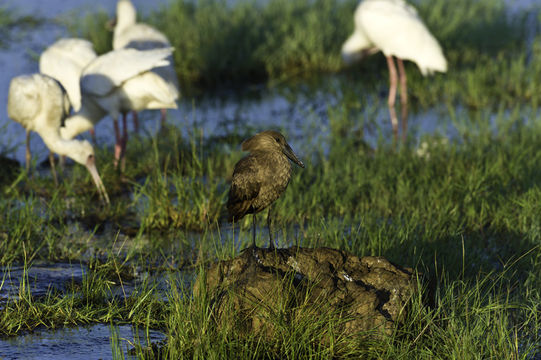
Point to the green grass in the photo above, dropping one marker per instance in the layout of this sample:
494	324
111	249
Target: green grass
469	319
466	215
92	27
277	41
5	22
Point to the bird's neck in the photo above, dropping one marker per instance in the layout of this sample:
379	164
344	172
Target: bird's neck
60	146
126	16
81	121
74	125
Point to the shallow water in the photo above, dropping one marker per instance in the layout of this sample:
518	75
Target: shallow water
20	56
83	342
213	116
303	117
40	278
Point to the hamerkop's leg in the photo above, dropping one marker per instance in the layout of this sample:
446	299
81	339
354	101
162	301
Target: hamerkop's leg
392	96
403	98
269	221
253	232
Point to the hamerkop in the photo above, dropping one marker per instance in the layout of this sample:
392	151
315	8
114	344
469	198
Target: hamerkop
261	177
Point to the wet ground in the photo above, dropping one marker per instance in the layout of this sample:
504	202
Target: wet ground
40	278
264	108
76	343
301	114
97	341
216	115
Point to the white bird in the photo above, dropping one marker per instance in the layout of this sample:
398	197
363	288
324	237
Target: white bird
128	33
39	103
115	83
64	61
395	28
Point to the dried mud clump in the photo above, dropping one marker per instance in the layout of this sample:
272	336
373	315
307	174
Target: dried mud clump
264	290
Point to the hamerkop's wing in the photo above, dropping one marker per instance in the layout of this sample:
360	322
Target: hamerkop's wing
245	187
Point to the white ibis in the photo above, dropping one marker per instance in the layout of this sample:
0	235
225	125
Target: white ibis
128	33
118	82
394	27
39	103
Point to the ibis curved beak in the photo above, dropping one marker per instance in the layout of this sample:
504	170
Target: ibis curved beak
91	166
291	155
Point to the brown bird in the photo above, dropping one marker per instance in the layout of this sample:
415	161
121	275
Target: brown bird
261	177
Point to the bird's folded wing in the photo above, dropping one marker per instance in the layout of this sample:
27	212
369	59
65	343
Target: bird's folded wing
245	185
79	51
65	71
395	28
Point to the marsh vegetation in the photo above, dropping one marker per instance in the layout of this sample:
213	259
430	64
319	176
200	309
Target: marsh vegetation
461	206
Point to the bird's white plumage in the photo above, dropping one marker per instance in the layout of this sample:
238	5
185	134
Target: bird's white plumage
395	28
140	36
64	60
120	81
38	102
128	33
114	68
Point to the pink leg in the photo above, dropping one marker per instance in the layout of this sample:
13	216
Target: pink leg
53	168
62	162
124	141
93	135
28	155
118	144
403	98
135	122
392	96
162	119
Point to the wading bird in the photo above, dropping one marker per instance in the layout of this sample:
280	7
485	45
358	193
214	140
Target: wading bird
116	83
64	61
39	103
128	33
260	177
394	27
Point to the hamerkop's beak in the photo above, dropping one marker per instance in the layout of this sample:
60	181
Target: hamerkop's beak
291	155
91	166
